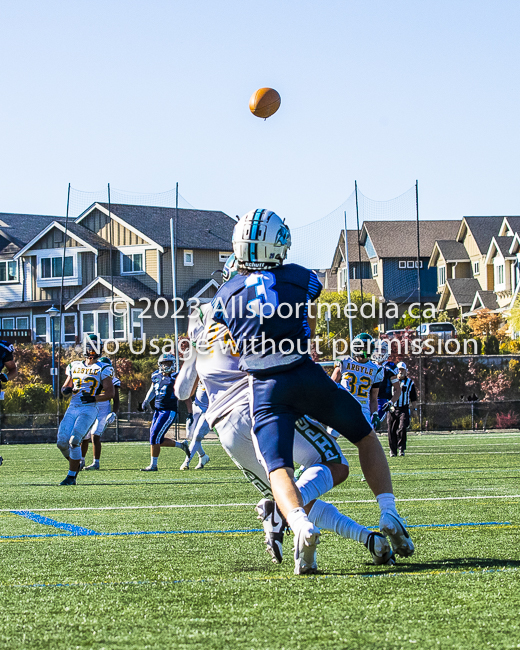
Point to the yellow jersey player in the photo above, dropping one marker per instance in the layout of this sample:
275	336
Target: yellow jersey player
85	378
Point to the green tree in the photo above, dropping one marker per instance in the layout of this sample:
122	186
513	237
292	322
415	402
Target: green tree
413	321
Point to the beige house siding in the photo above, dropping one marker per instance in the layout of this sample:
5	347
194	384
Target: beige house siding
470	245
98	222
47	241
205	262
462	270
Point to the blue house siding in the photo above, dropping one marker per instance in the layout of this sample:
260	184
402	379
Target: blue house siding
400	285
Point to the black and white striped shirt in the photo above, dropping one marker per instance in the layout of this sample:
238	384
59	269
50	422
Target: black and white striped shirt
408	392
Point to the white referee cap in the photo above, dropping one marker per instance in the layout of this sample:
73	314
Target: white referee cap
402	365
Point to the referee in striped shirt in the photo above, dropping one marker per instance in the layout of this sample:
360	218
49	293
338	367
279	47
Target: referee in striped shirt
399	418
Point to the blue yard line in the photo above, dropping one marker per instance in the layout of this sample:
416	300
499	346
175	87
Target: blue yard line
92	533
46	521
350	576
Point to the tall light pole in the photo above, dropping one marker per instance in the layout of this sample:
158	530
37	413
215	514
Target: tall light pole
53	312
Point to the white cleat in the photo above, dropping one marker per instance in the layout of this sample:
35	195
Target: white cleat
380	549
393	527
274	525
81	465
203	460
186	464
93	466
305	543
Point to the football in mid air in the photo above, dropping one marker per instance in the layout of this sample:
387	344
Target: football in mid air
264	102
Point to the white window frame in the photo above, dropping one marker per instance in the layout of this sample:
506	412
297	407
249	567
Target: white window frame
47	332
96	314
68	281
418	264
136	320
63	316
131	251
476	268
500	278
222	256
402	264
187	262
374	269
410	264
9	318
441	278
7	262
22	327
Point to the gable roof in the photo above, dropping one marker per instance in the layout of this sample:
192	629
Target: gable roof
126	287
513	222
20	229
463	290
399	238
500	245
206	229
450	250
84	236
483	230
353	249
484	300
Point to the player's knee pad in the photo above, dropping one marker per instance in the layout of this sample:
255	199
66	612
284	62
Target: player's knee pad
75	441
63	445
75	453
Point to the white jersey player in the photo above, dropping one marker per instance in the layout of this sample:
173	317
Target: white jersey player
198	428
215	360
106	415
85	380
361	376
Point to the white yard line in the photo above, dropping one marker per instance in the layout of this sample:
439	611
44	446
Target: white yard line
477	497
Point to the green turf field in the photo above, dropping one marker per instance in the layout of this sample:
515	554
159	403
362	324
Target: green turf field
175	560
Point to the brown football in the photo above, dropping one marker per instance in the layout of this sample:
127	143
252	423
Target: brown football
264	102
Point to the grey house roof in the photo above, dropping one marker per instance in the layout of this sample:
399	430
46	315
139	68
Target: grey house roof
87	235
131	287
399	238
21	228
206	229
463	290
488	299
514	222
369	286
483	230
503	244
353	248
453	251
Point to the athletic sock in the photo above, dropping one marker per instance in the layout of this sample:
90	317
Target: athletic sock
325	515
297	519
315	481
71	473
83	458
154	461
386	502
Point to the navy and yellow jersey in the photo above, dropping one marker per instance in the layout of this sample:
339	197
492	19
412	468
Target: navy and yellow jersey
164	396
6	353
359	379
266	315
87	379
385	387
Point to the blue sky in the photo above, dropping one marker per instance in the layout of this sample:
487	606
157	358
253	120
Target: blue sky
147	94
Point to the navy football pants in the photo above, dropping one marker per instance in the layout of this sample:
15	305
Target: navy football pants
281	399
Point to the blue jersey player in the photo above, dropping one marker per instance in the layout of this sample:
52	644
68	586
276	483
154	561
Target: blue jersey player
266	308
8	369
389	386
165	410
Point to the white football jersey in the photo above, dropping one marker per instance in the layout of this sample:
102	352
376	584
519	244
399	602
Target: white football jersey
358	379
217	357
87	379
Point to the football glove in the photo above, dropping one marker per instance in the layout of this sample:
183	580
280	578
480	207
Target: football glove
389	406
145	406
189	419
67	390
110	418
87	399
3	378
376	420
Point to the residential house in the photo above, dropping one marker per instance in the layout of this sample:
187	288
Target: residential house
124	253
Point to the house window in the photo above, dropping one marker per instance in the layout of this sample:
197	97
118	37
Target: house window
188	258
476	268
133	263
418	265
8	323
51	267
69	328
500	274
99	322
222	257
22	323
87	323
374	269
8	271
410	264
119	327
137	324
442	275
40	329
402	264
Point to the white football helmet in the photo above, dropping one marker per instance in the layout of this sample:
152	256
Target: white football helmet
163	367
261	240
381	351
